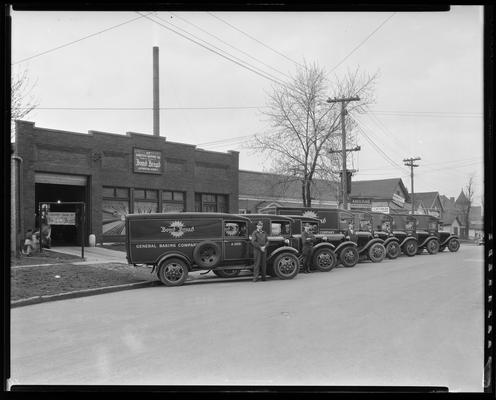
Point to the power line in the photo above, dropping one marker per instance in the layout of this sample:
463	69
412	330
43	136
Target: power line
363	41
79	40
391	139
218	48
256	40
142	108
233	47
379	150
244	65
425	115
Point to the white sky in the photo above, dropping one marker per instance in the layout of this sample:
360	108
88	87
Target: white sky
429	95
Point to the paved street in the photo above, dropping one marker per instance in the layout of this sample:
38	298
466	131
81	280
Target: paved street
412	321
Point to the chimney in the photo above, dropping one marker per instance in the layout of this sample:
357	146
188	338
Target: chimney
156	101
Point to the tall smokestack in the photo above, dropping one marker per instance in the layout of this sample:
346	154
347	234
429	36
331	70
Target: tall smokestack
156	101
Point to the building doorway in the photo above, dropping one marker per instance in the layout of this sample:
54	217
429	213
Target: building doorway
63	235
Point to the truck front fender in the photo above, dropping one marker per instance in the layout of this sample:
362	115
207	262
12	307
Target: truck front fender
281	250
345	244
448	239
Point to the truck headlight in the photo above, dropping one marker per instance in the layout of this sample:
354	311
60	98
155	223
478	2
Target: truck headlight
286	241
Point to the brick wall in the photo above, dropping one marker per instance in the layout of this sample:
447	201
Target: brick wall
107	160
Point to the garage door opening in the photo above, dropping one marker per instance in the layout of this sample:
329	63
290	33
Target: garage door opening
62	235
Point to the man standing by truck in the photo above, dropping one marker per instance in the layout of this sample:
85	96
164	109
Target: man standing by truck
307	238
259	243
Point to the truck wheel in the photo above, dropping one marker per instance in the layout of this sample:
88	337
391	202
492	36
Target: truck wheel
393	250
226	273
433	246
286	266
207	254
410	248
377	252
453	245
300	262
349	256
173	272
324	259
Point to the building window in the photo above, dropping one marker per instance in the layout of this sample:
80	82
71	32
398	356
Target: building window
115	207
173	201
145	201
209	202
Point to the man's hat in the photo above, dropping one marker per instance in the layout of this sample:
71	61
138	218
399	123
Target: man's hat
259	223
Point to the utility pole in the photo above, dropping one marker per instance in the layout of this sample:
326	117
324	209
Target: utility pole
156	94
344	175
409	163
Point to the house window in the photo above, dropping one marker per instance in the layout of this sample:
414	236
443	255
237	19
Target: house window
173	201
209	202
145	201
115	207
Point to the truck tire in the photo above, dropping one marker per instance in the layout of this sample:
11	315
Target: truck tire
207	254
226	273
286	266
324	259
410	248
393	250
172	272
377	252
349	256
453	245
433	246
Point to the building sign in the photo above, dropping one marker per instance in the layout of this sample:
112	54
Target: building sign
398	200
361	203
147	161
61	218
384	210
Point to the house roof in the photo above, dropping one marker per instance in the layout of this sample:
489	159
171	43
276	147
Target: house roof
379	188
462	199
266	184
447	202
428	199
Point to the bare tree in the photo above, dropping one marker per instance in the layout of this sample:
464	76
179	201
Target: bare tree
304	127
22	101
465	205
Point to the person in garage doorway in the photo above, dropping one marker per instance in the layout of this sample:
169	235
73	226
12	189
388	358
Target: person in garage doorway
27	248
259	243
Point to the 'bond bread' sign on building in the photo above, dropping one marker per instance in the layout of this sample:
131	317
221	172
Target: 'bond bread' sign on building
147	161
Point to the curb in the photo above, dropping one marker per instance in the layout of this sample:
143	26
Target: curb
81	293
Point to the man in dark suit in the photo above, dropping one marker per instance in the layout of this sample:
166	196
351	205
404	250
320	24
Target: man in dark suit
307	238
259	243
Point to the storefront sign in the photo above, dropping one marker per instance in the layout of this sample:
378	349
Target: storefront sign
384	210
61	218
398	199
361	203
147	161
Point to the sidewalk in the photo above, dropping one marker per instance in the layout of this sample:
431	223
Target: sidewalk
92	255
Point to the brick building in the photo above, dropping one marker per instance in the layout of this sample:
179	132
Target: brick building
115	175
261	190
385	195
